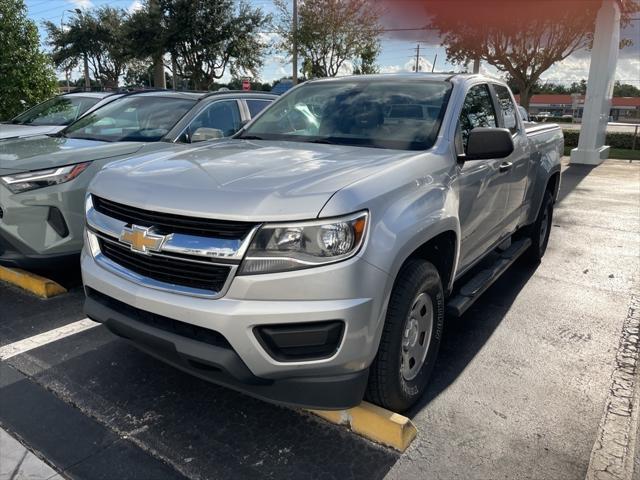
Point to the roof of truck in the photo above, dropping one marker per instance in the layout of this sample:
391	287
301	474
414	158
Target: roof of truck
381	77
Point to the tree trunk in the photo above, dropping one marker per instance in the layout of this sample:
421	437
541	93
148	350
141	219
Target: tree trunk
158	72
525	94
174	71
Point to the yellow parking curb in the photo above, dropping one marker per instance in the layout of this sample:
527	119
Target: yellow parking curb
375	423
40	286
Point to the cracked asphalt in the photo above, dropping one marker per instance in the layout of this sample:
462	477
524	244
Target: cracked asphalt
519	391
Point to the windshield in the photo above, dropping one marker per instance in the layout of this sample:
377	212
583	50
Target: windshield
134	118
56	111
402	115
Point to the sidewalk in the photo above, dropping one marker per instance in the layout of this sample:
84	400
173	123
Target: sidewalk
18	463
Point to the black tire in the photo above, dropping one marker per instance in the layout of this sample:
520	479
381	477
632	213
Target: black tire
388	386
540	230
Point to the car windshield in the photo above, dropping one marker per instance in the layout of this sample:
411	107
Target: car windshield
402	115
56	111
135	118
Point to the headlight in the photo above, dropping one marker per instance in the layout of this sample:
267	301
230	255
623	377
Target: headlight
293	246
23	182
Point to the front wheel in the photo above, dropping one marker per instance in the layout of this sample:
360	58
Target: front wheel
411	338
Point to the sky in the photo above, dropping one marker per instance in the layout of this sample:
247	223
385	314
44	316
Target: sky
398	51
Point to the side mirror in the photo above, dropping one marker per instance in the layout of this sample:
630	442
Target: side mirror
485	143
203	134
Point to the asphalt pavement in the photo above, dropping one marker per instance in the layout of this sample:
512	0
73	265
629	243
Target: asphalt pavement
519	390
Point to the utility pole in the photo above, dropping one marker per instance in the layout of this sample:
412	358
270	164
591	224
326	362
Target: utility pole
417	58
476	65
294	56
66	70
433	65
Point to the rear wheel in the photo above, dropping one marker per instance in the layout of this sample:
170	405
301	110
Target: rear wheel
541	229
411	338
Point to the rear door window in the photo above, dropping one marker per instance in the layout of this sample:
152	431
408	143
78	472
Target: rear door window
223	115
507	107
256	106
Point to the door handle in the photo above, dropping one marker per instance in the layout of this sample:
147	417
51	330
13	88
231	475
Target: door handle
505	166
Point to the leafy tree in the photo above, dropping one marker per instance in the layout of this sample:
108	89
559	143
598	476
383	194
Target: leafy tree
26	72
206	38
146	30
525	49
366	64
329	33
625	90
236	84
98	34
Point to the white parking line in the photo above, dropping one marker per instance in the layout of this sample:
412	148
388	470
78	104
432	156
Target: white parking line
41	339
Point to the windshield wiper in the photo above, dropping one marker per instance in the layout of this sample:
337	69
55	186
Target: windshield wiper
325	141
249	137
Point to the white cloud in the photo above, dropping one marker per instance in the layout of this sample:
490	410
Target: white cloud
574	69
391	69
135	6
424	65
345	69
81	4
269	39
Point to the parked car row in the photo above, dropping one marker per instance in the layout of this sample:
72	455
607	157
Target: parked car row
310	258
54	114
43	178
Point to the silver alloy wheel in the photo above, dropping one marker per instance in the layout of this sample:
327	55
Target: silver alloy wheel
416	337
544	227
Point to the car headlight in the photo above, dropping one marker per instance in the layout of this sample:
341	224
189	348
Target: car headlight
298	245
23	182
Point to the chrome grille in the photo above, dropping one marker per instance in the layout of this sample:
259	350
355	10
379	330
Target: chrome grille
171	270
171	223
182	262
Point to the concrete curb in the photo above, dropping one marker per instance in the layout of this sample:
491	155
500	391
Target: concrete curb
374	423
40	286
612	457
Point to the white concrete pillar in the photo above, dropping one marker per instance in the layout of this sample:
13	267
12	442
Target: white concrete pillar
604	57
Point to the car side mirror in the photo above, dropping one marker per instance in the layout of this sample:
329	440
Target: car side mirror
203	134
485	143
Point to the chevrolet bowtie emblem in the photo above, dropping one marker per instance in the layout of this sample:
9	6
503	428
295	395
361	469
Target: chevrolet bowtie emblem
141	240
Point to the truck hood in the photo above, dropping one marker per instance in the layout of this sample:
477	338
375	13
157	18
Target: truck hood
35	153
8	130
240	179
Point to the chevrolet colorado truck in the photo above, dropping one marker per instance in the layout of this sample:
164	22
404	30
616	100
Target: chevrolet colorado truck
310	260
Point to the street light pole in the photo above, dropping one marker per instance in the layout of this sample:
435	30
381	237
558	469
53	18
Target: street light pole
87	81
66	70
294	56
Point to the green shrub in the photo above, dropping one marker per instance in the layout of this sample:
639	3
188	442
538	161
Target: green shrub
614	139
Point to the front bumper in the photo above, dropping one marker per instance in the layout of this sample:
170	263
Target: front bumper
43	228
352	292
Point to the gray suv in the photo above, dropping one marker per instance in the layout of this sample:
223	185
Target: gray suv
43	179
54	114
310	259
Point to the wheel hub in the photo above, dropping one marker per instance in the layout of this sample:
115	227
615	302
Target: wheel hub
416	336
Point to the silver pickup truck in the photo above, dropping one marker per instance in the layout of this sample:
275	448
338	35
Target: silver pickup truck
311	259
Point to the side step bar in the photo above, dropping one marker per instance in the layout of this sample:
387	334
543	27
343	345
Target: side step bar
475	287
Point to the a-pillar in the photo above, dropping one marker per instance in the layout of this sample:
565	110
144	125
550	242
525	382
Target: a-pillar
604	56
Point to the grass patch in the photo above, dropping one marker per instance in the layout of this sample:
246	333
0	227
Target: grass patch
615	153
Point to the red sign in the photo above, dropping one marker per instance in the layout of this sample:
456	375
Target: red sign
246	84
